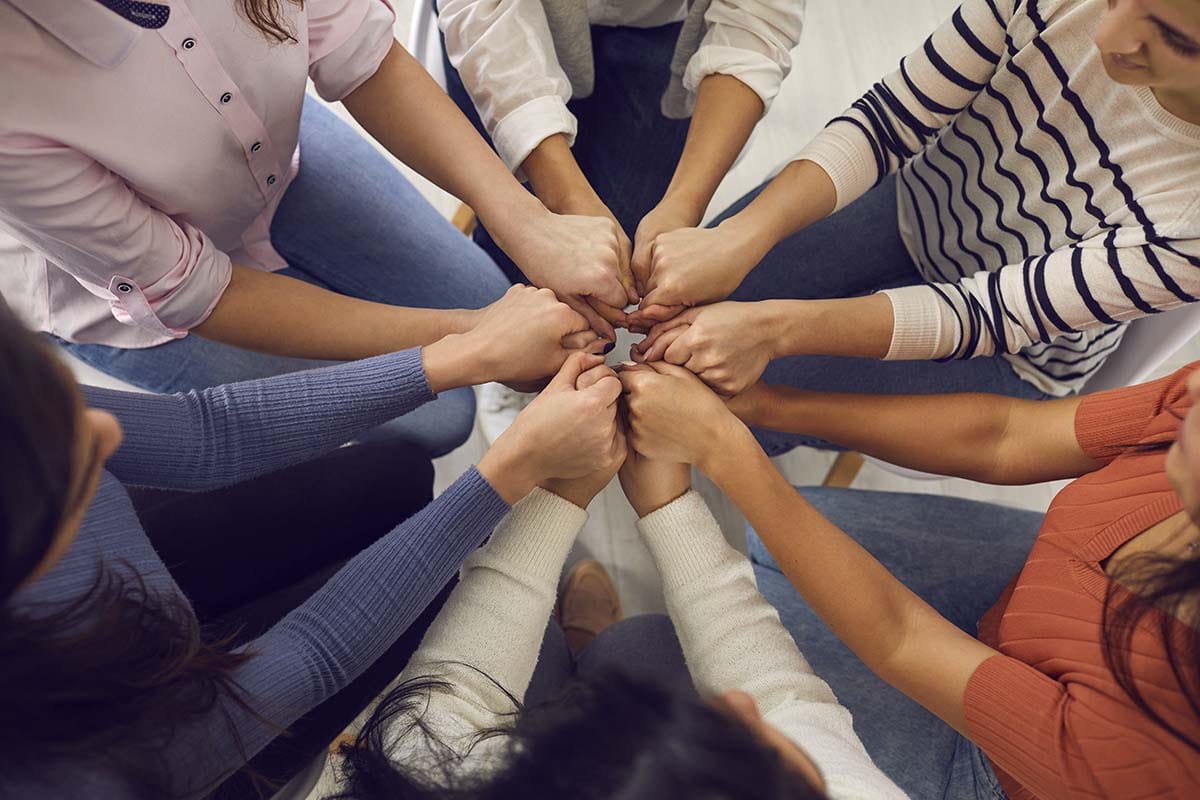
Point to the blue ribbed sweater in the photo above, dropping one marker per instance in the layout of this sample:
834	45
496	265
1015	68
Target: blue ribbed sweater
211	438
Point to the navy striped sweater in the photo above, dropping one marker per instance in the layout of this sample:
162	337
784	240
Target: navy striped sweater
1044	204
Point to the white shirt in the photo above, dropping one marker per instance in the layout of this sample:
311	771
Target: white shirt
505	55
493	623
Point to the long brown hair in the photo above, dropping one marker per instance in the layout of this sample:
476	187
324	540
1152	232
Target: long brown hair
269	17
105	680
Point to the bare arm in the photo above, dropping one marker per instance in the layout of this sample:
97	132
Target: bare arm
895	633
982	437
277	314
443	147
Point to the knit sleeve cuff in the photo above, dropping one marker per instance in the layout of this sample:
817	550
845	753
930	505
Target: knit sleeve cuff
1109	421
537	535
846	156
684	539
924	327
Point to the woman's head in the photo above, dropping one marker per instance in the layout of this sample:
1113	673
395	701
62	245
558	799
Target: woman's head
1154	43
51	453
610	735
105	677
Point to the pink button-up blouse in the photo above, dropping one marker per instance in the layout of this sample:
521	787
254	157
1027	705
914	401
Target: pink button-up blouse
136	162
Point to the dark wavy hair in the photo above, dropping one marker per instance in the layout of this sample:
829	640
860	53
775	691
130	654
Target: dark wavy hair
609	735
101	682
269	17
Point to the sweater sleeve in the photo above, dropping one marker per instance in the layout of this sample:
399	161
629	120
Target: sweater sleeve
329	640
1096	284
904	111
1110	422
215	437
732	639
485	642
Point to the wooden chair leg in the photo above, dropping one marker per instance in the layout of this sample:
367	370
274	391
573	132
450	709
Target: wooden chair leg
464	219
844	470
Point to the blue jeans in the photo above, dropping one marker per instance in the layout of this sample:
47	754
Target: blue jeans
958	555
351	223
855	252
644	645
625	147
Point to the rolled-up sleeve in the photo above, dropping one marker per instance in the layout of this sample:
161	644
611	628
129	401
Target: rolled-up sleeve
750	40
347	41
157	273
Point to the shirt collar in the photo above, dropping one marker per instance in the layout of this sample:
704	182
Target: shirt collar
87	27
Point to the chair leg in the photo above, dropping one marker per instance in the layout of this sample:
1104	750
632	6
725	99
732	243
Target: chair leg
844	470
464	219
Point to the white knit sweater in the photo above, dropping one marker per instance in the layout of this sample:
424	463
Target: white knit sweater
731	637
1044	204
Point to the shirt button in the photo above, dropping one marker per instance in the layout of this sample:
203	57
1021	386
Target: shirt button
124	288
254	148
225	98
189	43
270	180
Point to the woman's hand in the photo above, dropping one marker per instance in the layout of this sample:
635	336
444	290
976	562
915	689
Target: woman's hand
580	491
694	266
566	432
727	344
673	417
665	217
583	257
650	484
521	338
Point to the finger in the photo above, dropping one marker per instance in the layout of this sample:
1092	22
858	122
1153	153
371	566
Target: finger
661	346
673	370
597	322
579	340
593	375
612	291
639	263
568	374
660	328
607	389
613	315
679	351
656	313
661	297
631	379
624	270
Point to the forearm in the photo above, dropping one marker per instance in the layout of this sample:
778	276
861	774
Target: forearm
859	327
861	602
800	195
725	115
277	314
555	176
970	428
443	147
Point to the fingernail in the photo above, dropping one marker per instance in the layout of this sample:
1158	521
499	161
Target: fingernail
628	363
608	348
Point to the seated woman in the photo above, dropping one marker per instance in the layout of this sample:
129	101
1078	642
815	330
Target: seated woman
1024	184
619	718
1083	680
109	687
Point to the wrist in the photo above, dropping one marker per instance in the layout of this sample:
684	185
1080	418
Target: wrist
555	176
687	203
785	325
646	508
729	445
451	362
512	476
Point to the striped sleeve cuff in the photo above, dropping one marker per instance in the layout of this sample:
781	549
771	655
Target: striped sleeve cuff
846	155
924	326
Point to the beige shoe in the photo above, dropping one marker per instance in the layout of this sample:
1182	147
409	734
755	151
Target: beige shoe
587	604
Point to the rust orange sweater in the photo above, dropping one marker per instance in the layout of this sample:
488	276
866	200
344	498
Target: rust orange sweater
1048	712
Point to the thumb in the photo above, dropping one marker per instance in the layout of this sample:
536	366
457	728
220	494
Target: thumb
576	364
643	246
607	389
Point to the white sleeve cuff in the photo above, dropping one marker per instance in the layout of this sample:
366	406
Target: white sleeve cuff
924	326
685	540
525	127
535	537
762	74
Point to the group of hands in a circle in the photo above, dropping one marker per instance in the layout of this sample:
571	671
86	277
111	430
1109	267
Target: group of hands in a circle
675	274
648	420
